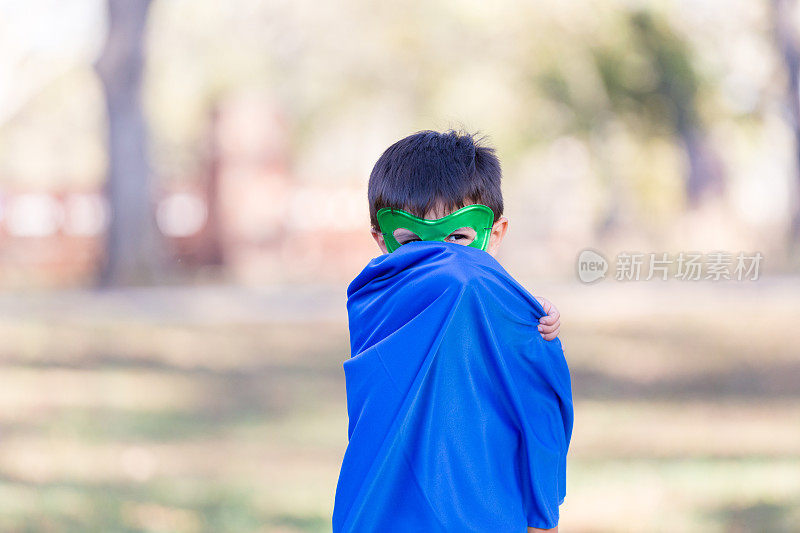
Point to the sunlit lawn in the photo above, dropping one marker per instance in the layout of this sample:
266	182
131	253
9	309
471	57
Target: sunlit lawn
686	420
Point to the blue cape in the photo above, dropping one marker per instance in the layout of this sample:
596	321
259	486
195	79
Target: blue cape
460	413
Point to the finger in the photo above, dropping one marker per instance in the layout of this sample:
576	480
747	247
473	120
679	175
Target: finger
545	303
551	336
548	319
555	318
546	328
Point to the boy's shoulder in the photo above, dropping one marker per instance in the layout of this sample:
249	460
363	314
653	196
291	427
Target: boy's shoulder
416	275
436	261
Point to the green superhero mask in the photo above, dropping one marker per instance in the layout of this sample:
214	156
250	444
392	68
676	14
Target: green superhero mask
476	216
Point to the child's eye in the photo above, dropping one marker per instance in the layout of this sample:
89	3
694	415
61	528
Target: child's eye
458	237
463	235
404	236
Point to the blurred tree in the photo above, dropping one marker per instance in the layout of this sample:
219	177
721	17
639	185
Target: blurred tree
786	39
660	87
132	242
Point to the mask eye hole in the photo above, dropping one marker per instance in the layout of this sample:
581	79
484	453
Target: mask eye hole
403	236
464	235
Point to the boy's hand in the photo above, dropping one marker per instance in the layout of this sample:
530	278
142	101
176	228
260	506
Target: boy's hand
549	325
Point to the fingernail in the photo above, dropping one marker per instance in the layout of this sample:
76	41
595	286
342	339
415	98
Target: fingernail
541	328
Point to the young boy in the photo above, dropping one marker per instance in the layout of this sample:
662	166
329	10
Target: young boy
460	412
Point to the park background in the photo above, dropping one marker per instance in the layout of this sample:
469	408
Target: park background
183	202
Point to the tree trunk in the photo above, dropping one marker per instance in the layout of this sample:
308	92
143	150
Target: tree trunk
783	15
132	247
705	175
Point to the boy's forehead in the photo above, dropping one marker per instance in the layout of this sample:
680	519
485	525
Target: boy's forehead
439	210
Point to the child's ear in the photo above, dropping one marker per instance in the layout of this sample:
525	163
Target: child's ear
378	236
499	229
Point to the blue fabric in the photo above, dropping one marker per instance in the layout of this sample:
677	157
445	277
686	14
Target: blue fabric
460	413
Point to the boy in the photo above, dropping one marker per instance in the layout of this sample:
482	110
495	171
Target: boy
460	414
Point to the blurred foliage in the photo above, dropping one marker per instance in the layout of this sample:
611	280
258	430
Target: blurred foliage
632	83
527	74
657	83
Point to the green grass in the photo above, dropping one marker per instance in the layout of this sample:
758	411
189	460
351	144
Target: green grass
683	423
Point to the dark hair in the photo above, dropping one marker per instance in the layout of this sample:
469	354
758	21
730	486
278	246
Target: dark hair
428	168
